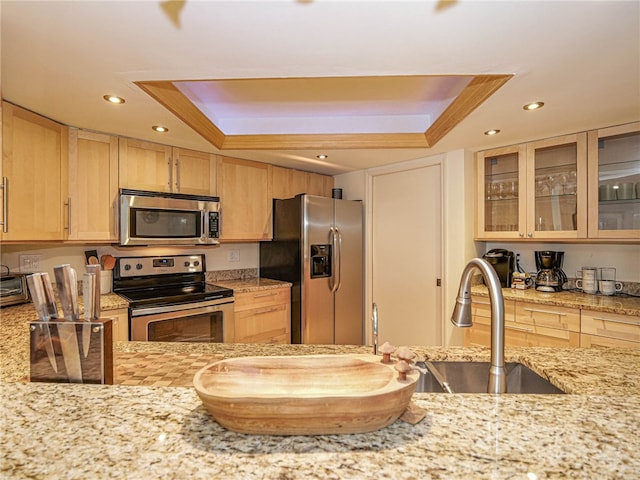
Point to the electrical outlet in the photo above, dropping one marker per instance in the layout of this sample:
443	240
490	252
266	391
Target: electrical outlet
234	255
29	263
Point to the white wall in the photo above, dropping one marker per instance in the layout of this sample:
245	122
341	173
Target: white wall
217	258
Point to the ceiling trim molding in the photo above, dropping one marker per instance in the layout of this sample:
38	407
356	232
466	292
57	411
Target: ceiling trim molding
479	89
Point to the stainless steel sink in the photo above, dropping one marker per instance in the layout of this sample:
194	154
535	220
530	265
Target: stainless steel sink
473	377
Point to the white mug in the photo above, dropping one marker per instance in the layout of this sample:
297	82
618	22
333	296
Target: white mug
609	287
587	286
587	273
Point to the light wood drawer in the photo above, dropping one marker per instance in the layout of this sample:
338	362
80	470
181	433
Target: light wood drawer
611	325
588	341
263	325
481	307
538	315
516	335
261	298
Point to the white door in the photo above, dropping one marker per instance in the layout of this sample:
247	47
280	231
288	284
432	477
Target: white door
407	256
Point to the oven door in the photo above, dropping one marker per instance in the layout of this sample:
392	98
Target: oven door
203	322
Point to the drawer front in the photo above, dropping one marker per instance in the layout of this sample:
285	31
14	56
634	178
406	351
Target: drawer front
263	325
538	315
481	307
588	341
261	298
517	335
611	325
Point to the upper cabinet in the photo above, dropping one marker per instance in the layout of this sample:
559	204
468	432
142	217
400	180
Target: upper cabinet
245	200
93	186
161	168
614	182
533	191
287	183
34	176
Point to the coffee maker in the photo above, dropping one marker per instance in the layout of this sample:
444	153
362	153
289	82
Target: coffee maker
503	262
550	277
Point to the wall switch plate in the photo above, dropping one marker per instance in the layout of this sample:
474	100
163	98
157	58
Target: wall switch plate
29	263
234	255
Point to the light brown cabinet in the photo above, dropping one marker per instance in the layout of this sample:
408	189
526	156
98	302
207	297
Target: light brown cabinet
609	330
93	186
120	323
34	174
263	316
526	325
287	183
533	191
614	182
245	200
161	168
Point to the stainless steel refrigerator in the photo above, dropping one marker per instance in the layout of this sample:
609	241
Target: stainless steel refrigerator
318	247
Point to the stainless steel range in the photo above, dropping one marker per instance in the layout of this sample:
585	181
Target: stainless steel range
170	301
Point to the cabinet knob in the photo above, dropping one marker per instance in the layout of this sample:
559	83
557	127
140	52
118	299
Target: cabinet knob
529	234
521	234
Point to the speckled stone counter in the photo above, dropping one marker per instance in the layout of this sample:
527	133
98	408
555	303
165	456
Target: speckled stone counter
624	305
251	284
65	431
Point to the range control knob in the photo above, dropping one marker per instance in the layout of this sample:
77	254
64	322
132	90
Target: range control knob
196	263
127	267
187	264
138	266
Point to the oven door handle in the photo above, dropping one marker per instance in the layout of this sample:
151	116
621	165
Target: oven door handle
184	310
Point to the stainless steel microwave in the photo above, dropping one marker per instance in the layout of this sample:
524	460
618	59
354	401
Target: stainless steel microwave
156	218
13	289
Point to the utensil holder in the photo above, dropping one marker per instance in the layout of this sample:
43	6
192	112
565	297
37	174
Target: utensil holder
52	360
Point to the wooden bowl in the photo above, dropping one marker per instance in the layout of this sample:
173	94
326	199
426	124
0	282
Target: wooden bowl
304	395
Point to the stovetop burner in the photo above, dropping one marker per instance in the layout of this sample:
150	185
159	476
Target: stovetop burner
175	294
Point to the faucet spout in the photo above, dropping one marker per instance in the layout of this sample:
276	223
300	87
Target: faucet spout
374	319
461	317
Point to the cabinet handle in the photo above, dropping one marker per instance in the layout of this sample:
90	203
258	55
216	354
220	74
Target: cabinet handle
623	322
177	174
544	311
170	167
266	310
262	295
520	329
69	214
5	208
477	302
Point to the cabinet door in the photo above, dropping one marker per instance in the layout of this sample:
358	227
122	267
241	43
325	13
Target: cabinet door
120	323
34	169
614	182
287	183
145	166
194	172
320	185
500	193
556	188
93	185
245	200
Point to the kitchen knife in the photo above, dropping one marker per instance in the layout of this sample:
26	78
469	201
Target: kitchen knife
68	292
37	286
88	294
70	351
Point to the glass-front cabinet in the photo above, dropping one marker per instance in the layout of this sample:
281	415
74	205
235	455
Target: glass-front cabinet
533	191
614	182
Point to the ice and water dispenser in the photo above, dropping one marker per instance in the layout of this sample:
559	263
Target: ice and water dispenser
320	261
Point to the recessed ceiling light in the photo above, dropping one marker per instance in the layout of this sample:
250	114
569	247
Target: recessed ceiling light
160	129
533	106
493	131
113	99
322	156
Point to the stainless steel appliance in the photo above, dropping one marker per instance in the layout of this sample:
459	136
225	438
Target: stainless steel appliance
13	288
503	262
155	218
318	247
550	277
170	301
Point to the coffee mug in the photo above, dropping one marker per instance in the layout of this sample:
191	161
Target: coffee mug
587	273
607	192
609	287
587	286
626	191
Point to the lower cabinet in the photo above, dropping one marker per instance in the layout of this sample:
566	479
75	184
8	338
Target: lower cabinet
120	323
526	325
263	316
601	329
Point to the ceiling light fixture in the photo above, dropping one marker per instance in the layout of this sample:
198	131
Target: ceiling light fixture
493	131
114	99
533	106
322	156
159	129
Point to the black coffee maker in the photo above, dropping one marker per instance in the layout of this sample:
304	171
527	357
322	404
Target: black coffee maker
550	276
503	262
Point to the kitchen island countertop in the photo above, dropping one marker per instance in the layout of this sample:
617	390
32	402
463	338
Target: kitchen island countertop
70	431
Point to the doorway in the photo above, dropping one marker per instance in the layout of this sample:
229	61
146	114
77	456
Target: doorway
406	257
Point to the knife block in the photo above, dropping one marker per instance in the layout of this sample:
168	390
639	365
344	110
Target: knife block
51	361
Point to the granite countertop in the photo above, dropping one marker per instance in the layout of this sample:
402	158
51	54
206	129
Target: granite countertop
624	305
251	284
123	431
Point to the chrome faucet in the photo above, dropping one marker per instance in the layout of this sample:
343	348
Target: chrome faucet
461	317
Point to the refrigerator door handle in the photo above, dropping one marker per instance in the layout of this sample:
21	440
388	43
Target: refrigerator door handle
339	260
333	279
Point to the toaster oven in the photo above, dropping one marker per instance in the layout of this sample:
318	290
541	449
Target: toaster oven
13	289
